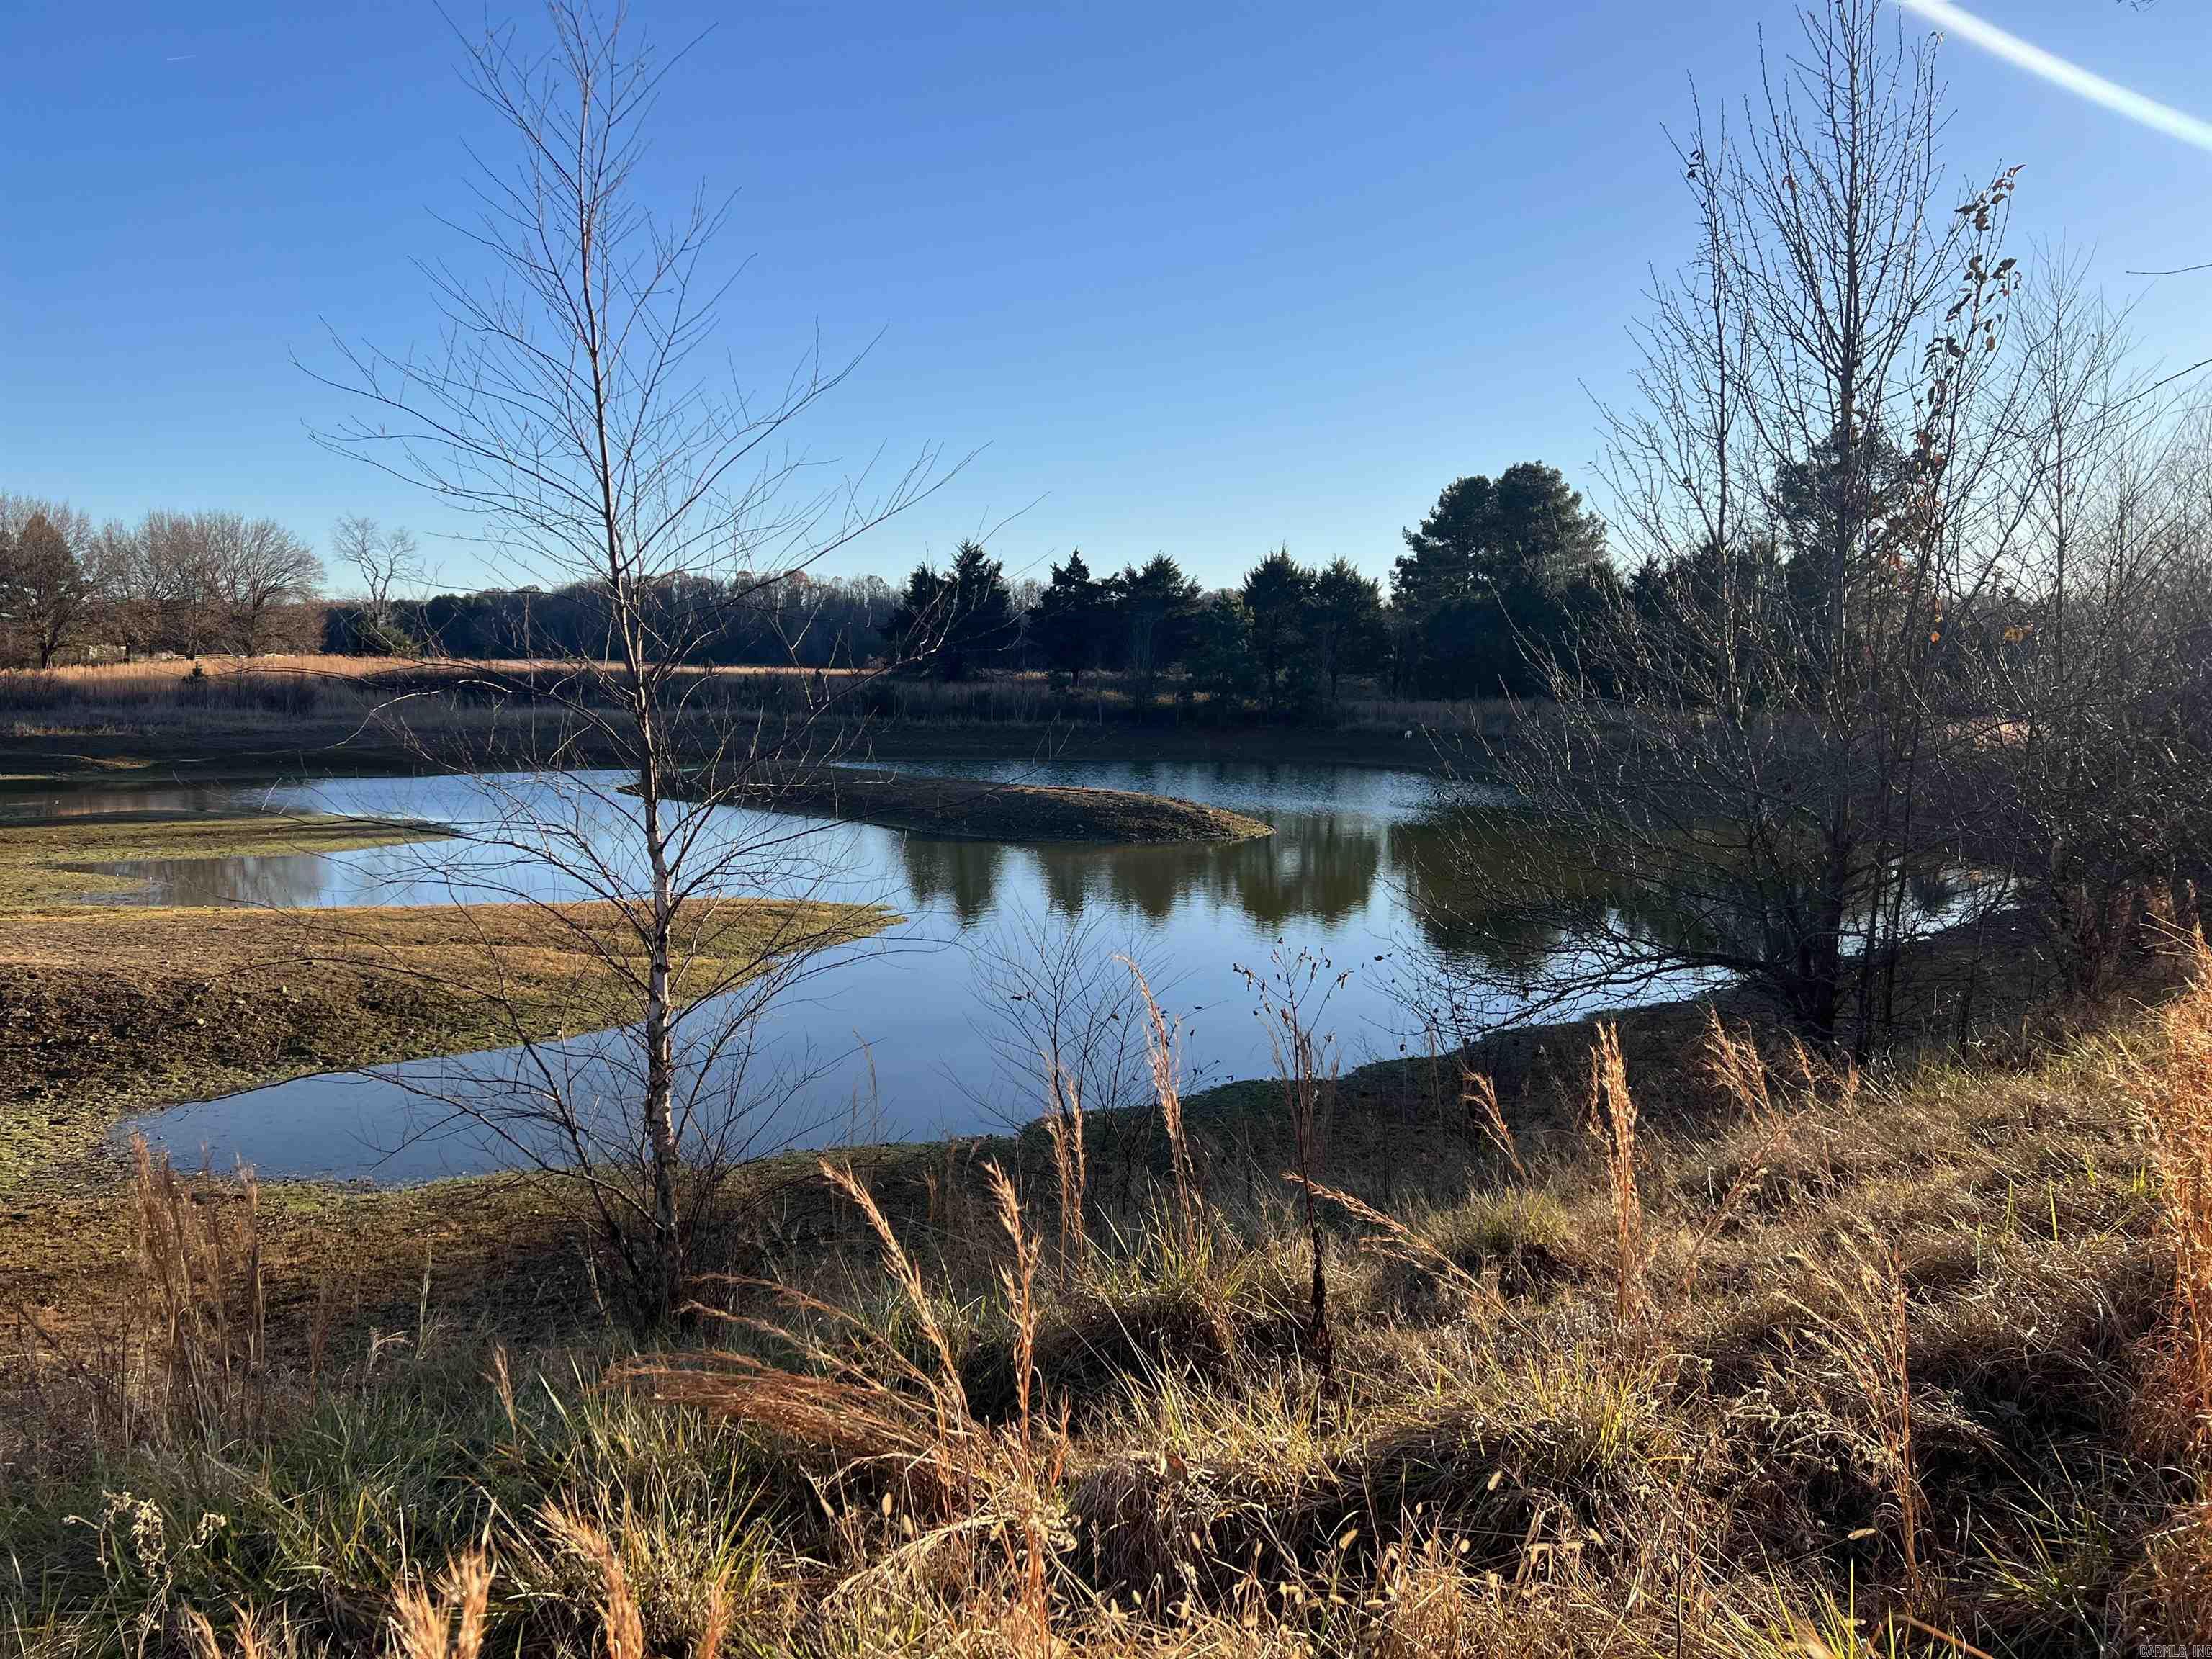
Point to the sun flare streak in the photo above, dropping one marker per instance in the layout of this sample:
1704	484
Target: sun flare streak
2070	77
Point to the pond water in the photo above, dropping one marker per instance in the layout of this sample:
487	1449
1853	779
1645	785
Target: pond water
930	1029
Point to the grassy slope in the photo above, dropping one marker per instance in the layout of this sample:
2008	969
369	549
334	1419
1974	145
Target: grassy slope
1496	1467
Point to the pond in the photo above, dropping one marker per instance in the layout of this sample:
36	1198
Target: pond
929	1030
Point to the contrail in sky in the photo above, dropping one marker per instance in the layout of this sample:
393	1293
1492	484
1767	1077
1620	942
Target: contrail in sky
2070	77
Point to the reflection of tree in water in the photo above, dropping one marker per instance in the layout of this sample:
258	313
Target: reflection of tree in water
1464	909
966	872
1315	865
1491	891
277	880
1072	877
1150	879
1489	887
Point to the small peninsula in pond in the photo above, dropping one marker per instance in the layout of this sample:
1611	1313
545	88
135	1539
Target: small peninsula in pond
987	811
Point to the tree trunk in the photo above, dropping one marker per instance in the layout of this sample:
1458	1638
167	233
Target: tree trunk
660	1067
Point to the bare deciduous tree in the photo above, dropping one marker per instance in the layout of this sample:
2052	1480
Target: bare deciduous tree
256	566
2098	677
386	563
1733	768
563	417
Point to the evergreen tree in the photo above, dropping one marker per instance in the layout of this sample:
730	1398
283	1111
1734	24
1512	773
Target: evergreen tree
1490	583
956	622
1154	607
1221	652
1347	626
1278	598
1072	617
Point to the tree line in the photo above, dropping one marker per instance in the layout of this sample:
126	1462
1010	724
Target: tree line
1498	567
180	583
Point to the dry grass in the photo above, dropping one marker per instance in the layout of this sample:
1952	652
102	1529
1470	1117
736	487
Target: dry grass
1612	1120
1895	1387
2173	1084
1479	1096
200	1289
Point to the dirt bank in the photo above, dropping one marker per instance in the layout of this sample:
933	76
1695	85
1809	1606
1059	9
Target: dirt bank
974	809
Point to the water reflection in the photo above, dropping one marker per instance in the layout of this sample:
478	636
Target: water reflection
1354	870
286	880
960	875
1336	838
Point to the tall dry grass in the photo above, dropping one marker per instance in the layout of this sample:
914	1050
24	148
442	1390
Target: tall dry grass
450	1625
197	1307
1611	1120
1071	1163
1293	993
1877	1394
2173	1088
1163	1053
1734	1062
1479	1097
965	1493
1864	1327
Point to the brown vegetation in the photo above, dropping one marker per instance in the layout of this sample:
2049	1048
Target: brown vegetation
973	809
1902	1366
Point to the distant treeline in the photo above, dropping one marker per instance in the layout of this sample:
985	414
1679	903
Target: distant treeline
1500	567
1498	581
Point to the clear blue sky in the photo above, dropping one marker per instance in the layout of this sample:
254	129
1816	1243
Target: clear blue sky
1203	277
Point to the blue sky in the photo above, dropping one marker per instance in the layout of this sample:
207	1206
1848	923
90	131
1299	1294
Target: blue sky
1198	278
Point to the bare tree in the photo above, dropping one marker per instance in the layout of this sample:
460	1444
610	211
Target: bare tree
2098	675
192	582
1733	767
563	417
257	567
385	561
174	583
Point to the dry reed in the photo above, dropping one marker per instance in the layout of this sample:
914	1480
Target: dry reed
1479	1095
1063	1128
1736	1066
1163	1049
1612	1120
